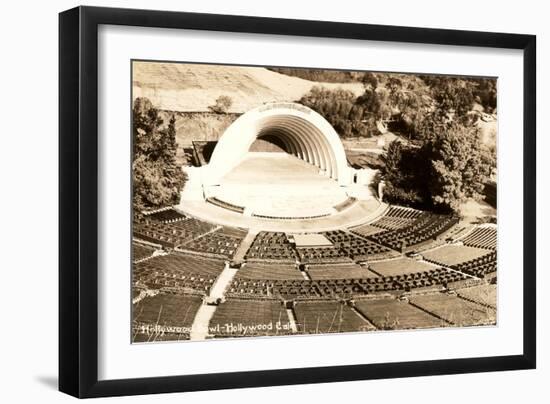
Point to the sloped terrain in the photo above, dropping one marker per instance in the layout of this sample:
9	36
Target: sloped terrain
187	87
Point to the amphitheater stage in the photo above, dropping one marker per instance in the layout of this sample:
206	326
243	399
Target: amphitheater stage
272	184
279	192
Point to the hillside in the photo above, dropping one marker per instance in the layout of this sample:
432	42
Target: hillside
191	126
194	87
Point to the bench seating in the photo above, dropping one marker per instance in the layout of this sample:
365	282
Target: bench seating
249	317
166	216
354	246
482	237
480	266
271	246
164	310
318	317
393	314
366	230
338	271
426	227
141	251
257	270
344	288
222	242
178	271
485	294
321	255
456	311
172	234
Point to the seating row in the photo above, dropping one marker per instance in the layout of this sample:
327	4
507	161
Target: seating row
271	246
166	216
321	255
405	213
392	223
246	317
141	251
324	317
358	248
480	266
257	270
215	243
172	234
178	271
482	237
426	227
166	309
339	287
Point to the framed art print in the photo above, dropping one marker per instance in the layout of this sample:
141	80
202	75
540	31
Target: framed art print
249	201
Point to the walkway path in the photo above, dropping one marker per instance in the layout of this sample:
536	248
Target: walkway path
292	320
199	329
245	245
223	281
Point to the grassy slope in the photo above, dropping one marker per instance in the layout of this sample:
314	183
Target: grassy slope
194	87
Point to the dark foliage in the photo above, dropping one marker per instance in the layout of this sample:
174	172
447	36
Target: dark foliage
157	179
346	113
452	94
405	172
486	94
459	94
490	193
460	165
448	167
327	76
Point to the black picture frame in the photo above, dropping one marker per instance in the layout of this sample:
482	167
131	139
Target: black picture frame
78	201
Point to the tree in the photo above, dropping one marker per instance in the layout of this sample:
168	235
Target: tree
370	81
486	93
405	173
375	104
392	160
452	94
460	165
395	87
450	166
341	109
222	105
428	125
157	180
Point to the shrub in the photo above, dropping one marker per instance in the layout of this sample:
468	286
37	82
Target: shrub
222	105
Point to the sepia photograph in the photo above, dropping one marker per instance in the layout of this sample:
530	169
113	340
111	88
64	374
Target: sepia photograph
285	201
